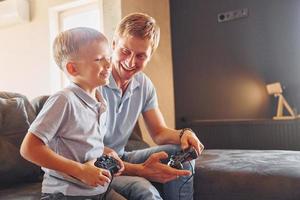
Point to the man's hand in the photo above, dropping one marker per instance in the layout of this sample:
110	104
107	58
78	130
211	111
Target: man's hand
190	139
154	170
110	152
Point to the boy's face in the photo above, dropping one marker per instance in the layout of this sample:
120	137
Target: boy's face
93	64
130	56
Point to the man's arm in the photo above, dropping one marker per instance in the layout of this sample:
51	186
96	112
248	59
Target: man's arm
34	150
161	134
152	169
158	129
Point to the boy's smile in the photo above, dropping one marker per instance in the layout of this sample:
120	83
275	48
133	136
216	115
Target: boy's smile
93	65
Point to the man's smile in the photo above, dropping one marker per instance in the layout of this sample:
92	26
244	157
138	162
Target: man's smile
127	68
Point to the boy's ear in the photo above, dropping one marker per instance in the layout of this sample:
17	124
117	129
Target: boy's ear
71	68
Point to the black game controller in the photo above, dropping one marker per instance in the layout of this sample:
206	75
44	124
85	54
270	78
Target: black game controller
181	157
109	163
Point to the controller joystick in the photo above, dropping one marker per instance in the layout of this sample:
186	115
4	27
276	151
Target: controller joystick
109	163
181	157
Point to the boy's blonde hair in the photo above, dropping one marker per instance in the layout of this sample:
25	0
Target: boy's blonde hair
68	43
139	25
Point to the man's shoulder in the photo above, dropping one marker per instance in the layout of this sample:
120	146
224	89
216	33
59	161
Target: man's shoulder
142	78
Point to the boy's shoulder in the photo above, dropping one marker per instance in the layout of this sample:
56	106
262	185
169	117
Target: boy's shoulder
66	92
64	95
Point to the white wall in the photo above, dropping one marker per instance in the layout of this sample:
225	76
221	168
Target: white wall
25	53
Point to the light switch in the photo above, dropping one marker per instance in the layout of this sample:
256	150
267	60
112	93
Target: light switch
232	15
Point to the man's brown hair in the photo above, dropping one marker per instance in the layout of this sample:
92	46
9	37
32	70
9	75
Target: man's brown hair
139	25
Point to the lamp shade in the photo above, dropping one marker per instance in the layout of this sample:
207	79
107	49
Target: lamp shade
274	88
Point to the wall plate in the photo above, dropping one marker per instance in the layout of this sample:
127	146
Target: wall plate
232	15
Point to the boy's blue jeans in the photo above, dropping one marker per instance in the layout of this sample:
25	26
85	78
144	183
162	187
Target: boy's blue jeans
111	195
139	188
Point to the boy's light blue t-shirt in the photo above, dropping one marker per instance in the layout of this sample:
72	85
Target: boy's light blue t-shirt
72	124
124	110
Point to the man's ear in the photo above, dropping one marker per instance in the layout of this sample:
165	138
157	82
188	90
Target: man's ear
71	68
113	44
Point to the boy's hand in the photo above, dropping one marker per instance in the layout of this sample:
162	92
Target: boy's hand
112	153
94	176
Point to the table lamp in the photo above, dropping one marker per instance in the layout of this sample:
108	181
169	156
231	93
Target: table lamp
276	90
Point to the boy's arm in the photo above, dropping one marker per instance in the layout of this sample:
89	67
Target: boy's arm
34	150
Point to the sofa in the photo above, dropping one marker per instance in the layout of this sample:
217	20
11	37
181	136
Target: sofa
220	174
20	179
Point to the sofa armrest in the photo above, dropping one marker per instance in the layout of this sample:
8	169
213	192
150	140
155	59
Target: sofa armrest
16	114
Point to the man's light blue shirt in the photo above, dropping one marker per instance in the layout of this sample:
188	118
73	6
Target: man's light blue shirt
124	110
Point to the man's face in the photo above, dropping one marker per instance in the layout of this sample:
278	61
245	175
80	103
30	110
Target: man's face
130	56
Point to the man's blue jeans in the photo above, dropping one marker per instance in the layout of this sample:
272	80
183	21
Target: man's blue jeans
139	188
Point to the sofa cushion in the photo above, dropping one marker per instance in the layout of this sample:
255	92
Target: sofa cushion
16	114
13	168
38	103
247	175
22	191
135	140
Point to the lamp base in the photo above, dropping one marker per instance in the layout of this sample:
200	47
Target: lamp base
286	117
282	103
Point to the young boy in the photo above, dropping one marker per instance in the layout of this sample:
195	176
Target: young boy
67	135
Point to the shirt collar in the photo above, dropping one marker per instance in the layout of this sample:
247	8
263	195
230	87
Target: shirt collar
132	85
87	99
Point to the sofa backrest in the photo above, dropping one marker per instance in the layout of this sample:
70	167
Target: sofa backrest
16	114
38	103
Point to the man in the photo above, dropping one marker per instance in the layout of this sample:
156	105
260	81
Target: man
131	93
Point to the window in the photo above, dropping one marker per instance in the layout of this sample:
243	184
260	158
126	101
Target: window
63	17
86	16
